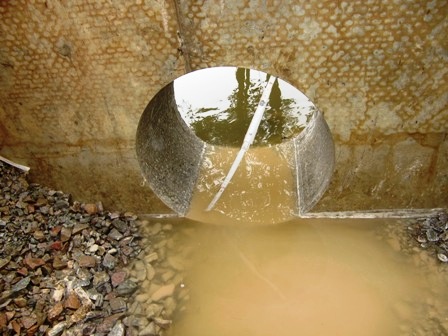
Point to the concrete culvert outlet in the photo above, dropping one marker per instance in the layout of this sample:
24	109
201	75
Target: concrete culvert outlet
191	132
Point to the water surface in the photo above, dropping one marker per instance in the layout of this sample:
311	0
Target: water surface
318	277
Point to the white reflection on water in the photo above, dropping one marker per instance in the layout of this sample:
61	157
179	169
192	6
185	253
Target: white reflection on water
218	104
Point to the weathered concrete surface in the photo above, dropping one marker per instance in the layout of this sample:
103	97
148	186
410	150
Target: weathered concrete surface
75	77
314	156
172	159
397	171
169	153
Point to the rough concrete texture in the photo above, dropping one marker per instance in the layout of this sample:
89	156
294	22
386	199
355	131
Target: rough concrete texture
314	153
75	76
169	153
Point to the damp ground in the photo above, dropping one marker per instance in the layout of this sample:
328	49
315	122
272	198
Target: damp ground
313	277
69	269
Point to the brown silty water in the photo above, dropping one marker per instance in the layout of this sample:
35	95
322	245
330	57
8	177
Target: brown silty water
301	277
261	192
245	276
263	189
313	277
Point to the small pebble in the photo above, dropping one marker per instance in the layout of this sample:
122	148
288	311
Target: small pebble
64	266
117	330
87	261
109	261
163	292
117	305
149	330
126	288
442	257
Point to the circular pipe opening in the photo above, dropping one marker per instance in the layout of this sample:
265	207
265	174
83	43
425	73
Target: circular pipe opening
192	130
219	103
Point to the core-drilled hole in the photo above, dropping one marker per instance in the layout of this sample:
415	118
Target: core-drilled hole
218	105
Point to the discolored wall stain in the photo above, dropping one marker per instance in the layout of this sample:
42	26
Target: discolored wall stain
75	76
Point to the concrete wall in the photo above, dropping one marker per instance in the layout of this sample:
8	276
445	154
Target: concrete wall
75	76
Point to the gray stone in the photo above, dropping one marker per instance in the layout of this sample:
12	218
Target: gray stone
22	284
57	329
150	272
75	296
162	322
431	235
87	261
153	309
126	288
176	263
61	204
120	225
151	257
163	292
100	278
78	228
84	275
109	261
115	234
170	306
117	330
117	305
150	330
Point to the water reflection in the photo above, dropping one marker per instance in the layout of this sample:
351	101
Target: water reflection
218	104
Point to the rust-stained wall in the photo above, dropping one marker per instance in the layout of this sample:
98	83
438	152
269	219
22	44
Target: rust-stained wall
75	77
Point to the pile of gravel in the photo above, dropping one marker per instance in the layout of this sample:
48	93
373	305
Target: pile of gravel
68	268
432	234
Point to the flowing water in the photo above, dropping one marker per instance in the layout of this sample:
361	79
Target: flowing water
302	277
218	104
262	191
315	277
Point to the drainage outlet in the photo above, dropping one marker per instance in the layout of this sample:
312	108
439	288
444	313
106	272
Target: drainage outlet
232	145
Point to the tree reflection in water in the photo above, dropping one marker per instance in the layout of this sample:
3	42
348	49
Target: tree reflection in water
228	127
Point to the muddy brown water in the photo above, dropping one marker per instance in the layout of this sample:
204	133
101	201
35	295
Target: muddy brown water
297	277
218	104
314	277
247	276
262	191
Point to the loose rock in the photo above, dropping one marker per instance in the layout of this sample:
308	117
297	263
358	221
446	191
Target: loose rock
118	278
149	330
55	311
91	209
22	284
57	329
109	261
33	263
72	301
117	305
432	234
117	330
87	261
65	266
126	288
163	292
